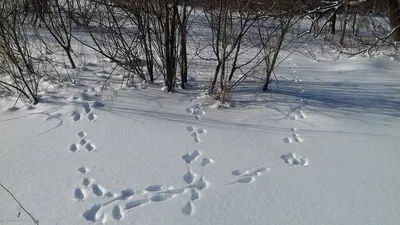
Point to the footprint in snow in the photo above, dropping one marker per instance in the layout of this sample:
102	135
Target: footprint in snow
86	107
161	197
189	110
288	140
298	139
189	177
97	190
190	157
154	188
190	129
197	140
293	159
199	112
90	147
245	179
97	104
248	176
257	172
92	214
91	116
136	203
194	195
201	131
117	213
79	193
76	116
73	148
81	134
236	172
83	170
127	193
206	161
109	194
86	182
200	184
188	208
83	142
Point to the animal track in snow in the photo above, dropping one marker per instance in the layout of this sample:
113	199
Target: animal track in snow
195	133
79	193
190	128
81	134
189	110
248	176
83	142
201	131
92	214
188	208
109	194
136	203
196	110
126	193
86	107
298	139
288	140
292	159
86	182
236	172
175	191
76	116
161	197
117	213
91	116
245	179
301	115
256	172
194	195
154	188
83	170
200	184
206	161
97	104
190	157
295	137
199	112
97	190
73	148
189	177
90	147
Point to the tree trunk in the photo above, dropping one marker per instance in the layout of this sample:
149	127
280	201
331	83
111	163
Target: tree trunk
170	45
167	49
344	24
183	51
394	18
333	23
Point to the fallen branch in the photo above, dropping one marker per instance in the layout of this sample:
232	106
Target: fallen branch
20	205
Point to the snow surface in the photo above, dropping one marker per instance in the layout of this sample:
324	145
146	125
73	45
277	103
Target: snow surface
320	148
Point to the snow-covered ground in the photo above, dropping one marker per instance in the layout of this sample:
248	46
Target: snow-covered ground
320	148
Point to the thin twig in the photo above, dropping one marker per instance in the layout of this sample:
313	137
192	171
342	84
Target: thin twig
20	205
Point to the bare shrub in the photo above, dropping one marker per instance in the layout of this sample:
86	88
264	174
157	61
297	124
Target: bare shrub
21	57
